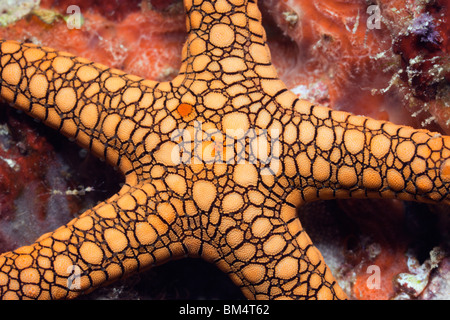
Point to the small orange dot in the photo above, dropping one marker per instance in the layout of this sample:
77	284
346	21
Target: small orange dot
184	109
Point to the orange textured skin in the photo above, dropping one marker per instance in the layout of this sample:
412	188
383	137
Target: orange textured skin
238	215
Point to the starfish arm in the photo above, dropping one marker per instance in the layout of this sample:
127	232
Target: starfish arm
274	258
129	232
341	155
87	102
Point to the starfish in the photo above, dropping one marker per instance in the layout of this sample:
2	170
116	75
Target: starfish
215	161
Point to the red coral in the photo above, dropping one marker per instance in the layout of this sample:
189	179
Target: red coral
333	44
385	232
422	47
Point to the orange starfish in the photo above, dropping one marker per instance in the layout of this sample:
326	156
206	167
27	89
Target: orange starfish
216	162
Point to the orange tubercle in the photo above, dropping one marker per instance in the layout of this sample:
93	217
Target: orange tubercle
184	109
